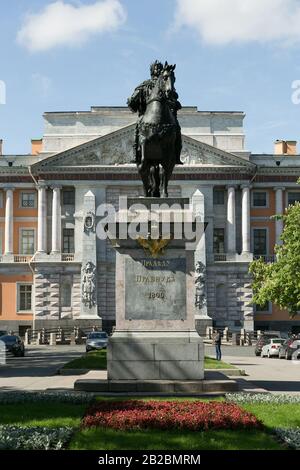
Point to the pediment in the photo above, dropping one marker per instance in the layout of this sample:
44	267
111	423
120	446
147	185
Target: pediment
116	149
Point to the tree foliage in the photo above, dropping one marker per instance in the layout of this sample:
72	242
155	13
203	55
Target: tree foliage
279	282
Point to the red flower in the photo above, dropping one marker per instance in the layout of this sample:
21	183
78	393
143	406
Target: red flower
189	415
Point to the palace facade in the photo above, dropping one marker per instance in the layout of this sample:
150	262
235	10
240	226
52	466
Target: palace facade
85	159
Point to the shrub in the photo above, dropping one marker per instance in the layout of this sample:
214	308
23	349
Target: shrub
262	398
20	438
76	398
194	416
291	437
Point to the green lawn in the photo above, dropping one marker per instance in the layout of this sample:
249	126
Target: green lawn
42	414
96	360
211	363
65	414
108	439
276	415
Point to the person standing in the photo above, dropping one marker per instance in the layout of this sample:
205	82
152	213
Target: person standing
217	343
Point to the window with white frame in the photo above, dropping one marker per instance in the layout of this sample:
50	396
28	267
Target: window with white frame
68	240
24	297
66	295
260	241
259	199
28	199
68	197
293	196
27	242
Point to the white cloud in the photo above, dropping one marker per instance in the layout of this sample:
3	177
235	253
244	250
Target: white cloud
222	22
62	23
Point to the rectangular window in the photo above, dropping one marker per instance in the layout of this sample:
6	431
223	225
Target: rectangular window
66	295
27	242
266	308
259	199
28	200
260	241
293	197
68	240
25	295
219	197
68	197
219	240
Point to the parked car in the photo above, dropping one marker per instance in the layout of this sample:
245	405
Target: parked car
3	332
288	348
271	349
264	339
96	340
13	345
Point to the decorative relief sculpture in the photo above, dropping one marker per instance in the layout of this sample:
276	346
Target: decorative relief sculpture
88	286
200	282
89	222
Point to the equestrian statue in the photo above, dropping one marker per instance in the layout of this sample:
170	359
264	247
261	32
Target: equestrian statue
158	142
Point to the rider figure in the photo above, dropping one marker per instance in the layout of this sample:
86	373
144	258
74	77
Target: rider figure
138	103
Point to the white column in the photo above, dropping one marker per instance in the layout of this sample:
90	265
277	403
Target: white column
56	220
246	219
42	219
9	221
231	226
279	210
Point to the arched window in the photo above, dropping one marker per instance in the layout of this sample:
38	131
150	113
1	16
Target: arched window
66	295
221	295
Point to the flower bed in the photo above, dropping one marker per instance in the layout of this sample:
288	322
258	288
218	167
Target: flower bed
262	398
193	416
21	438
76	398
291	437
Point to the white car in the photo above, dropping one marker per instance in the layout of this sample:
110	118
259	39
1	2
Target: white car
272	348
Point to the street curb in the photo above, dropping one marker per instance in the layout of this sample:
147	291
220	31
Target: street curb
229	372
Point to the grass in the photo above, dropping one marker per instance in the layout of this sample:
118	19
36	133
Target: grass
63	414
96	360
276	415
42	414
211	363
108	439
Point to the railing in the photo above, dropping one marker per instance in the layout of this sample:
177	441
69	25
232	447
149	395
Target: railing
266	258
220	257
22	258
67	257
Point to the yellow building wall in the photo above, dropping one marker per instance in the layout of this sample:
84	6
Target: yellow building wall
8	297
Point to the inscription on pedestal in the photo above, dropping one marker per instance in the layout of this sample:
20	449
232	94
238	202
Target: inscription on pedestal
155	289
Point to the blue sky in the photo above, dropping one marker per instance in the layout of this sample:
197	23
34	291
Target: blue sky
231	60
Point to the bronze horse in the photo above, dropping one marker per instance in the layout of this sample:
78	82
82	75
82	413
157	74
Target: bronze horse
158	136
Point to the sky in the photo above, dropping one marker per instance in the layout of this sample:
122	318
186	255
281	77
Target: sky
231	55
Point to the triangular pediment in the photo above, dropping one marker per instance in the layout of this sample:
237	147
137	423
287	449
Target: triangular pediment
116	149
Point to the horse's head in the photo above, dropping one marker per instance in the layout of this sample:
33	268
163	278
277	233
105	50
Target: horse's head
168	78
164	84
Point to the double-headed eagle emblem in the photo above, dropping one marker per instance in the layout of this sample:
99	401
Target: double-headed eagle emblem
154	246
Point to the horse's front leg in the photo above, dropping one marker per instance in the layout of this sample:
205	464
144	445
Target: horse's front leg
164	182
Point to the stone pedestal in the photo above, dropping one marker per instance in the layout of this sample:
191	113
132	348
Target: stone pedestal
155	337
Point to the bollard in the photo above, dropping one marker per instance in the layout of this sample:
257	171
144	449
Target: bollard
27	338
39	338
52	339
234	339
226	334
73	339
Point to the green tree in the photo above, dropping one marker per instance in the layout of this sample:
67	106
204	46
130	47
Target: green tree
279	282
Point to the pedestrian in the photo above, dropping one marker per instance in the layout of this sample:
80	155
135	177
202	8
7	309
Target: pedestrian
217	343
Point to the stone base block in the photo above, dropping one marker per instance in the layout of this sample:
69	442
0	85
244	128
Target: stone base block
144	356
158	387
201	323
